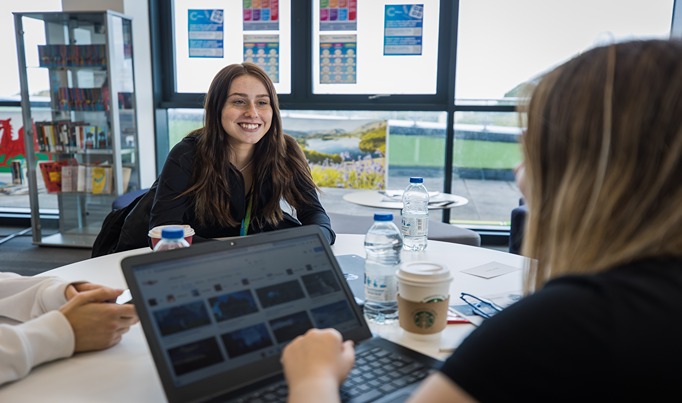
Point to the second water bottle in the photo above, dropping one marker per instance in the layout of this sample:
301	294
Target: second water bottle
383	243
415	215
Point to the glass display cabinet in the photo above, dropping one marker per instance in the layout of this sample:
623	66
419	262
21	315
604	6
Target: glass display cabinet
79	66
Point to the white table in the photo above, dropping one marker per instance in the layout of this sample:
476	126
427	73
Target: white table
391	200
126	372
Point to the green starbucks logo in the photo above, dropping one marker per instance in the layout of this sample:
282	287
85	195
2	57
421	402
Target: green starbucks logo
424	319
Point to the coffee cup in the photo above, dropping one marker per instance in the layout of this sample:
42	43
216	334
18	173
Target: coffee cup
423	297
155	233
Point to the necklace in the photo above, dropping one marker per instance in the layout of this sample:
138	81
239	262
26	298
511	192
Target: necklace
245	166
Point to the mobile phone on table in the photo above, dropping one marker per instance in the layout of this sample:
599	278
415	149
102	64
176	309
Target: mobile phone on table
125	297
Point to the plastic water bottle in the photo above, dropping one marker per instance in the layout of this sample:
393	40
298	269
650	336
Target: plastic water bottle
171	238
415	215
383	244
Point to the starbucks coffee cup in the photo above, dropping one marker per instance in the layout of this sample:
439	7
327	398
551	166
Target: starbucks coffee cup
155	233
423	297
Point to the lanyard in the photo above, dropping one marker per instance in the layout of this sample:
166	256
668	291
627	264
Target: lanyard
246	220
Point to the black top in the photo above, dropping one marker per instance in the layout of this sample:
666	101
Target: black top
176	176
612	336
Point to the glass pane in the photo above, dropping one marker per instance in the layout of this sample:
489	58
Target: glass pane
502	44
210	34
485	152
9	85
369	46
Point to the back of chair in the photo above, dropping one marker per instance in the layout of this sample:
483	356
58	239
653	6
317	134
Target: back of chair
438	231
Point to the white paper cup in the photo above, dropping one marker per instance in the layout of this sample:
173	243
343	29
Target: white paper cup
155	233
423	297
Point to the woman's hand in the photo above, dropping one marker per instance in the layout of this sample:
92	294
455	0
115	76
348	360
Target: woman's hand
316	364
74	288
96	322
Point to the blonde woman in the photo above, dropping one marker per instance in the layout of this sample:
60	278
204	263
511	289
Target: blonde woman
603	183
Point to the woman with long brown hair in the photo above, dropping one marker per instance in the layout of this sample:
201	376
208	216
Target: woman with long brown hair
229	177
603	183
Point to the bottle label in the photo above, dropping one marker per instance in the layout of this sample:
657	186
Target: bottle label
380	288
415	226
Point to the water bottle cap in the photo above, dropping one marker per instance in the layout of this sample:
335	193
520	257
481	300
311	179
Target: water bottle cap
383	216
173	233
416	179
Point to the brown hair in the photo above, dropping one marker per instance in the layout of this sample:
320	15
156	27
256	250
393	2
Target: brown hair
279	161
603	160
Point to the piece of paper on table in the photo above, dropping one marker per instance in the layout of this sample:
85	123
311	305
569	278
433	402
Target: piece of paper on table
399	193
490	270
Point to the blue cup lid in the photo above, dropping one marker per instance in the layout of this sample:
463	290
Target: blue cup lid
383	216
173	233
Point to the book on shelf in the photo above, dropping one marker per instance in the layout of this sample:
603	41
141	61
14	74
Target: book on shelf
52	173
72	55
71	137
98	179
69	178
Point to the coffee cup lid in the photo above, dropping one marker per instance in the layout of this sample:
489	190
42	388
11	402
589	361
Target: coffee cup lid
423	272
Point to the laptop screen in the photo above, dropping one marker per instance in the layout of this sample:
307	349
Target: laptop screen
212	310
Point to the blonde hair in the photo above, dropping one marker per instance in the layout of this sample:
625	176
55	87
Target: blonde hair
603	160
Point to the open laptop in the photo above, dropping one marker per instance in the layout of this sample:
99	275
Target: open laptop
217	315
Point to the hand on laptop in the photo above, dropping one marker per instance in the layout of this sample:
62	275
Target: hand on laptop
314	362
96	323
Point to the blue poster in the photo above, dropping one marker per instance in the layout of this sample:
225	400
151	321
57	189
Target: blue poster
205	33
403	24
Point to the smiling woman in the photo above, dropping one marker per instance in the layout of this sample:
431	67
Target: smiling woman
228	177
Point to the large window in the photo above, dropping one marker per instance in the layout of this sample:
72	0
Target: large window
501	44
14	196
445	75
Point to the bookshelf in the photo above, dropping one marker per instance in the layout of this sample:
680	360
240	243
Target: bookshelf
79	66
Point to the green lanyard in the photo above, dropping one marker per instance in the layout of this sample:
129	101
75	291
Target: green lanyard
247	219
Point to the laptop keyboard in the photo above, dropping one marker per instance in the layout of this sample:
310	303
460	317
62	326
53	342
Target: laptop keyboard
377	372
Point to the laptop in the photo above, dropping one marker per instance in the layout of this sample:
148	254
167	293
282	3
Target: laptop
217	315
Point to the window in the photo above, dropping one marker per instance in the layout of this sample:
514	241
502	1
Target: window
447	85
501	44
209	35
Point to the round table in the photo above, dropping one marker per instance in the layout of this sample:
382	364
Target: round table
391	199
126	372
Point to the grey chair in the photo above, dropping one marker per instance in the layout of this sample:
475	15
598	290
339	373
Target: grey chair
438	231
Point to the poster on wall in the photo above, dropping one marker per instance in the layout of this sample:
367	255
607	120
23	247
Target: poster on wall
338	15
342	153
263	50
403	25
205	33
338	59
261	15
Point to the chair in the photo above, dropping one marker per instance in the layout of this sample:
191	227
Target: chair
438	231
127	198
518	219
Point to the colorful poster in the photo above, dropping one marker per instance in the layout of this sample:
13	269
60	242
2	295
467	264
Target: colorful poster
403	26
338	15
263	50
338	59
205	33
261	15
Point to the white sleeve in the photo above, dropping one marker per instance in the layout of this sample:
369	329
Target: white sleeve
23	298
32	343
